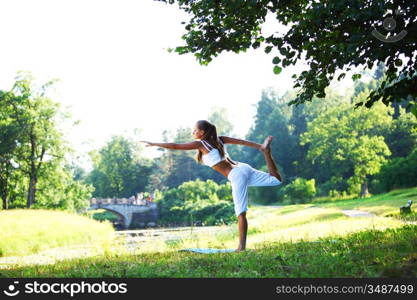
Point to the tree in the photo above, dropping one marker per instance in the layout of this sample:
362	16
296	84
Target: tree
33	152
36	117
401	136
330	34
347	141
398	172
300	117
119	170
58	189
259	130
9	137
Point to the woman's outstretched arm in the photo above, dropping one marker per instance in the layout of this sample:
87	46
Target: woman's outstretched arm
230	140
175	146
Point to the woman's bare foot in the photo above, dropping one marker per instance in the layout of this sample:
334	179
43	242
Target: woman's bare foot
266	146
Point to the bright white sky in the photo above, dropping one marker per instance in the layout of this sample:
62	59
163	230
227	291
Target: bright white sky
115	73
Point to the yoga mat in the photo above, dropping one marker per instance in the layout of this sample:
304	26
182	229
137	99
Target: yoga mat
208	250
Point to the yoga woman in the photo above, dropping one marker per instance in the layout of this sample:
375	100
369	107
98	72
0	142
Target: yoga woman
212	153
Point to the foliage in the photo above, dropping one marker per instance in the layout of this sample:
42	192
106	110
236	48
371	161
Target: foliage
102	215
330	36
277	123
118	169
335	186
33	152
299	191
399	172
401	136
348	141
60	191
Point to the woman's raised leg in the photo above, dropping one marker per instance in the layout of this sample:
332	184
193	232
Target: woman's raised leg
266	149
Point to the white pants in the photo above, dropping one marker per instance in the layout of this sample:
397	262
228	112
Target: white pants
243	176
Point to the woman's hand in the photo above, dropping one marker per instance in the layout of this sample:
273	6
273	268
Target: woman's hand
149	144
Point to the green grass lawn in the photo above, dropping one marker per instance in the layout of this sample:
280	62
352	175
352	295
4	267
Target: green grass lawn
383	204
370	253
309	240
28	231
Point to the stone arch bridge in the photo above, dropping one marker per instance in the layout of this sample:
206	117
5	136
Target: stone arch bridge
132	213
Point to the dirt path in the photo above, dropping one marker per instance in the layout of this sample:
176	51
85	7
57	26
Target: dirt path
357	213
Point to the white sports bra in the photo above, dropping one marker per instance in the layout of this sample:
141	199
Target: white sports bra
213	157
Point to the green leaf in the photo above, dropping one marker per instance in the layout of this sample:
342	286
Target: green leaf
276	60
268	49
341	76
277	70
356	76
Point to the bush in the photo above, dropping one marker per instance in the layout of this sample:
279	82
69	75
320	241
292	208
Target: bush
354	187
281	194
299	191
336	183
220	213
334	193
399	172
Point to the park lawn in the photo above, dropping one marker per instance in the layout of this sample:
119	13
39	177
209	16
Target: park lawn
306	240
381	204
270	224
29	231
371	253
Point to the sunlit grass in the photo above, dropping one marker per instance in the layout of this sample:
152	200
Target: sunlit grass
305	224
306	240
382	204
370	253
28	231
295	223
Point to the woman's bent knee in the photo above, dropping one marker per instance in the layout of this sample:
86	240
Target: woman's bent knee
242	215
